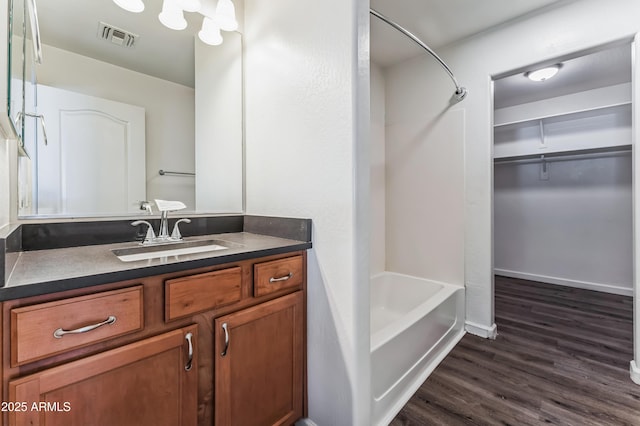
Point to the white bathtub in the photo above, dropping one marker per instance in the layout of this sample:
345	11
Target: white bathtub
414	324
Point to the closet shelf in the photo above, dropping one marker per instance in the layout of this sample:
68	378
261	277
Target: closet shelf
567	155
566	115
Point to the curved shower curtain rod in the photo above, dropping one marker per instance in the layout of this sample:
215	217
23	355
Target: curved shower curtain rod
460	92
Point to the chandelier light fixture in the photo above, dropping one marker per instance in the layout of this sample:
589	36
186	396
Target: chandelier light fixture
172	15
135	6
217	16
210	32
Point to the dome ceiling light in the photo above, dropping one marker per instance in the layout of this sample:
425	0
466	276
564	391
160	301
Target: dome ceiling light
543	74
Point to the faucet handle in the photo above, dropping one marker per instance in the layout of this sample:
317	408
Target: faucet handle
146	205
175	234
150	234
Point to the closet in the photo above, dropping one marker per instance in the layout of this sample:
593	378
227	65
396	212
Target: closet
563	175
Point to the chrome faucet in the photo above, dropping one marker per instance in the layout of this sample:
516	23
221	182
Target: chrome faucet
145	205
163	236
163	232
150	237
175	234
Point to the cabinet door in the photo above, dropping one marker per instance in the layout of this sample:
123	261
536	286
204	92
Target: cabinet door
259	364
149	382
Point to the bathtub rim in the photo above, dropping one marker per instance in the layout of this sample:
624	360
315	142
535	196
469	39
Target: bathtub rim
387	333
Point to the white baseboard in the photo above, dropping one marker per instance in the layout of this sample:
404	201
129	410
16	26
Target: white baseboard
634	371
305	422
481	330
586	285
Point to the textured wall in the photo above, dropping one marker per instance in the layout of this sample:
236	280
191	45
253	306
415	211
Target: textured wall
572	229
307	125
378	173
425	173
4	183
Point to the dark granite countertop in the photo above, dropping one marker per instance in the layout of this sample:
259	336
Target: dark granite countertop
48	270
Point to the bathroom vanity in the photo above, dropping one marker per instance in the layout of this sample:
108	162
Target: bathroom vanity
208	338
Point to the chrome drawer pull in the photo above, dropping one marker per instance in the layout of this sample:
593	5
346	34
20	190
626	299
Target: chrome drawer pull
188	336
286	277
226	339
60	332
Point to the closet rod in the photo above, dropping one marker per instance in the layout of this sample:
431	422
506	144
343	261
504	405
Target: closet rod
168	173
561	157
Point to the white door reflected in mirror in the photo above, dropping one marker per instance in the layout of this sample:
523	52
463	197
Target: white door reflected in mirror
94	161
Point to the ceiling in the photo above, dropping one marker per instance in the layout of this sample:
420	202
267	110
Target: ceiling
438	23
167	54
73	25
598	69
442	22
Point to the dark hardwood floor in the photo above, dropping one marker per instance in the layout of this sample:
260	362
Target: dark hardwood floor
561	357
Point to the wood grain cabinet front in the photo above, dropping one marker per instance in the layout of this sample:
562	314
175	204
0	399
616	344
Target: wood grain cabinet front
152	382
45	329
259	371
202	292
220	345
276	275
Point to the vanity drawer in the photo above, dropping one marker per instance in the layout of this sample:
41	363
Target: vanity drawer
197	293
277	275
42	330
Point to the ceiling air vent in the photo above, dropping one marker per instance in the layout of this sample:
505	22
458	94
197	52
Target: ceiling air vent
116	35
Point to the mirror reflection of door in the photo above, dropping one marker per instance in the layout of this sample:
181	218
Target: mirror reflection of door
93	161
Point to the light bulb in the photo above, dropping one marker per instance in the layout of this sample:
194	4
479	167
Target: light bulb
172	15
210	32
190	5
543	74
135	6
226	15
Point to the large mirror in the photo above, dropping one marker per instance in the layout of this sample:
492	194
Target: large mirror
123	110
17	74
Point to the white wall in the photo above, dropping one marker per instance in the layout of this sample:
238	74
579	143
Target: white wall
568	27
425	140
598	118
634	369
218	123
4	183
586	100
378	174
307	125
572	226
169	114
572	229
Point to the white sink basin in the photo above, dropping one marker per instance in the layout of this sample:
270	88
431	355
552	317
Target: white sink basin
133	254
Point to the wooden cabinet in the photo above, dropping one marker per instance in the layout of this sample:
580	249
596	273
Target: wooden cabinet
150	382
202	292
131	371
277	275
259	364
44	329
